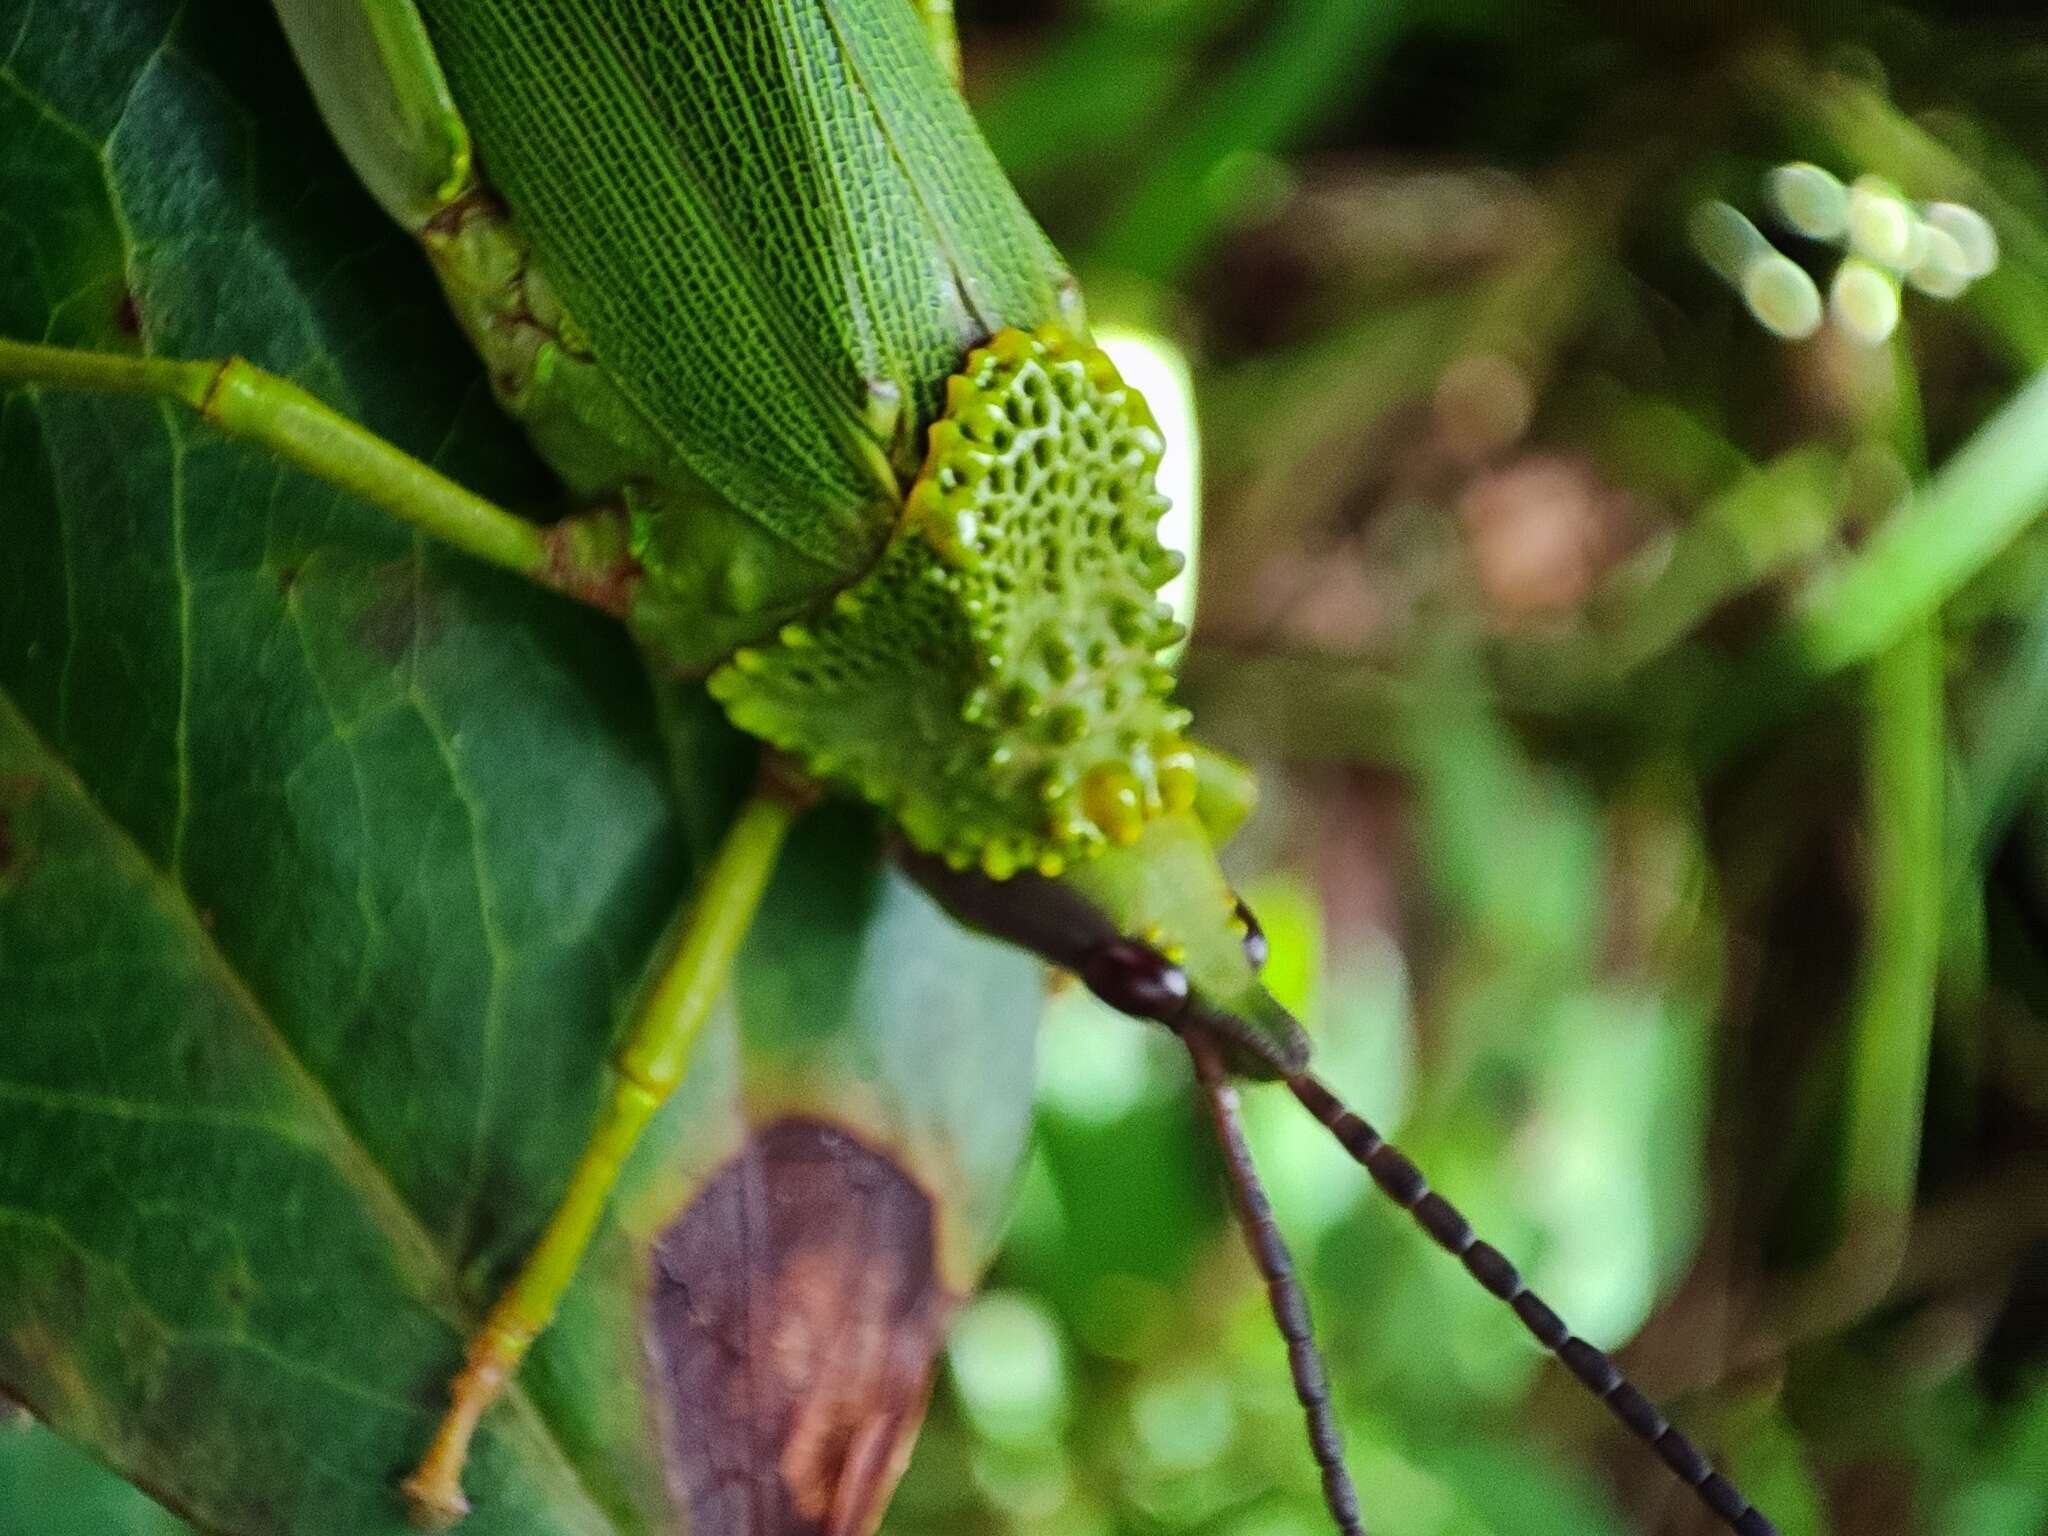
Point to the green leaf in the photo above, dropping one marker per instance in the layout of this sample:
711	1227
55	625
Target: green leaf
55	1489
329	863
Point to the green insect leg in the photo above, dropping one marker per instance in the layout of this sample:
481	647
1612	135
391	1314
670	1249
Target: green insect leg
381	88
650	1065
583	557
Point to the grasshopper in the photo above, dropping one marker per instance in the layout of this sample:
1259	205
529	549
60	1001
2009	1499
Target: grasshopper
837	441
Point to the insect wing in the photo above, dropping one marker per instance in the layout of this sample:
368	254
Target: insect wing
775	223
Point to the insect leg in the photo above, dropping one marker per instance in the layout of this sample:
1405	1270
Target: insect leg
1402	1182
650	1065
381	88
244	401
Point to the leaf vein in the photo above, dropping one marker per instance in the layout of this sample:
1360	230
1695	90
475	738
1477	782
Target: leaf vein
385	1203
74	1101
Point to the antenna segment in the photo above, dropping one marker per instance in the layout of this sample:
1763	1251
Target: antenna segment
1283	1289
1404	1184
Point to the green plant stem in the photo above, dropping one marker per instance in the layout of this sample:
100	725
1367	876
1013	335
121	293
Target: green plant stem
2009	756
1770	518
1893	1011
1892	1005
1945	534
1947	531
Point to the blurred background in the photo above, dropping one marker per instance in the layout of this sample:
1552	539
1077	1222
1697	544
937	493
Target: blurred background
1653	709
1654	714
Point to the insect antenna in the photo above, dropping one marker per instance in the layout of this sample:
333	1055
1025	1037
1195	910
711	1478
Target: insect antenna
1404	1184
1283	1289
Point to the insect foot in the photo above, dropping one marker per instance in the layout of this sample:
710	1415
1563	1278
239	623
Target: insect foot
996	682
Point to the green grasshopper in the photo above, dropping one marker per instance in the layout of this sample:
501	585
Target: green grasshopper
825	400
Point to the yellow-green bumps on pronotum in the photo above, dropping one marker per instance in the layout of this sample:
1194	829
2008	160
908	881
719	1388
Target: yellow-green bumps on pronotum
995	681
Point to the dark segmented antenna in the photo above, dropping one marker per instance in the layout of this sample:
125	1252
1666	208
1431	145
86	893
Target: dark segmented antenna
1283	1290
1403	1182
1131	975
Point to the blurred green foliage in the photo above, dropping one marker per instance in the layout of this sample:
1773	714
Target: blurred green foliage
1655	721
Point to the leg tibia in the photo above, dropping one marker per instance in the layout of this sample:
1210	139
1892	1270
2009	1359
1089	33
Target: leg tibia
244	401
651	1062
374	73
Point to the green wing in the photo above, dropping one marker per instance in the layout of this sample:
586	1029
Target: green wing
773	219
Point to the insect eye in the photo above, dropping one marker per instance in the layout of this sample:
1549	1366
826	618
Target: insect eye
1136	979
1255	947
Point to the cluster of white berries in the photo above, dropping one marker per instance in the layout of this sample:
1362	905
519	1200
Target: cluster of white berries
1938	249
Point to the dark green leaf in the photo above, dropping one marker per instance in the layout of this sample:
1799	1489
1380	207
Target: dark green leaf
329	863
55	1489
